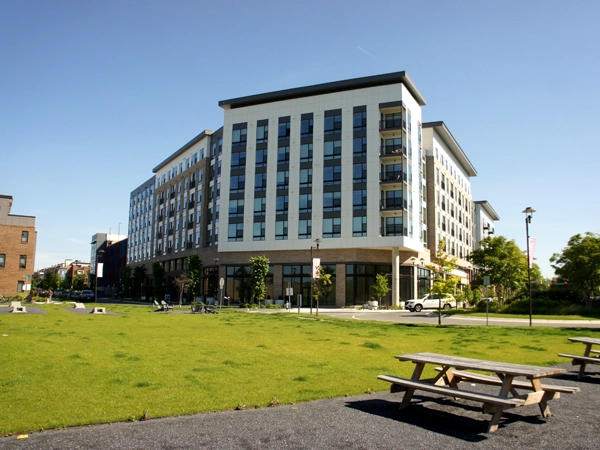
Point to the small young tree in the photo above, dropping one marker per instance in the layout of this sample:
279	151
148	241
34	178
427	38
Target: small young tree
381	286
260	270
139	277
444	283
127	275
195	275
158	273
181	283
322	285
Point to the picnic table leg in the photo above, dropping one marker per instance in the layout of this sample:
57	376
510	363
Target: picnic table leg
588	348
504	390
410	391
544	408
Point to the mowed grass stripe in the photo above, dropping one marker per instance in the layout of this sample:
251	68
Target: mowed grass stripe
63	369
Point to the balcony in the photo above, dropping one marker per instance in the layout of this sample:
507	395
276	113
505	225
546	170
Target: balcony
392	124
171	213
161	200
191	205
160	218
189	245
392	150
190	225
392	176
192	184
159	235
170	232
393	204
394	230
172	195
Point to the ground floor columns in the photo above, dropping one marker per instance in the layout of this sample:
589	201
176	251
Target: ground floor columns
395	276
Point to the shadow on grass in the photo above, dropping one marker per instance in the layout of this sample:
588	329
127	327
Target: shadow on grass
441	416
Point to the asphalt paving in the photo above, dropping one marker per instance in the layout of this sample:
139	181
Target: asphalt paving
368	421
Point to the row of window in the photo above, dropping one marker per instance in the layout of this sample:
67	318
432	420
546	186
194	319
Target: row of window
22	261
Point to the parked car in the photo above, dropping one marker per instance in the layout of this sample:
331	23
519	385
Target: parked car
87	295
431	301
75	295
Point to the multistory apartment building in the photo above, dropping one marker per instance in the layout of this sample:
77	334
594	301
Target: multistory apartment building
449	200
17	249
339	162
141	221
345	172
187	207
484	221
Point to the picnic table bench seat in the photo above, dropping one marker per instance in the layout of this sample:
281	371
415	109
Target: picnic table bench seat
463	375
486	399
577	359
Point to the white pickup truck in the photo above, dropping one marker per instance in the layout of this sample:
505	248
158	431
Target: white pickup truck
431	301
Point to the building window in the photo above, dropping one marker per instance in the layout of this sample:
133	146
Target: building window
262	134
304	229
281	203
359	226
238	137
283	155
359	199
23	262
393	226
332	175
20	285
283	179
281	230
360	173
261	158
237	184
236	208
2	259
332	150
283	133
259	231
332	228
359	147
236	232
24	236
305	203
238	160
306	153
333	124
305	178
260	206
360	121
260	182
306	128
332	201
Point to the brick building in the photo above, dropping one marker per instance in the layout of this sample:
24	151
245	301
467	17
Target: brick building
17	249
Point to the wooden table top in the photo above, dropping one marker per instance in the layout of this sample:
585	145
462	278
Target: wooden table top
459	362
585	340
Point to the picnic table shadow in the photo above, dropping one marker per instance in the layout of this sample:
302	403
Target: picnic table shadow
451	422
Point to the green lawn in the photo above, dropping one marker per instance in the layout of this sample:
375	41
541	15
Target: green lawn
63	369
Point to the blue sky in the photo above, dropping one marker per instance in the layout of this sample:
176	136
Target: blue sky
96	94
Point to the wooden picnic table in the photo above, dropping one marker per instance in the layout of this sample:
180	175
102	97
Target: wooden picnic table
583	360
452	372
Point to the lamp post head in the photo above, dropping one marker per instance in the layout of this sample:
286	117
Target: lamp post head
318	241
529	211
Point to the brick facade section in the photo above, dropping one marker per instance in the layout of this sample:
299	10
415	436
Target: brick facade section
13	248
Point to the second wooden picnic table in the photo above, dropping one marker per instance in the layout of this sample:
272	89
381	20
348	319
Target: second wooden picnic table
451	372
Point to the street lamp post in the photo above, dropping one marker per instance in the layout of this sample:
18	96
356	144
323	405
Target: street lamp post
217	298
529	212
312	273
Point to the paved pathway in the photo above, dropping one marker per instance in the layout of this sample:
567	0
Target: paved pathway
350	423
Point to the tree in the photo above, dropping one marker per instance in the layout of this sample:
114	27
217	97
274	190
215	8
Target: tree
51	280
79	282
579	263
322	285
381	286
195	274
260	269
503	262
127	275
158	273
441	266
139	277
181	284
